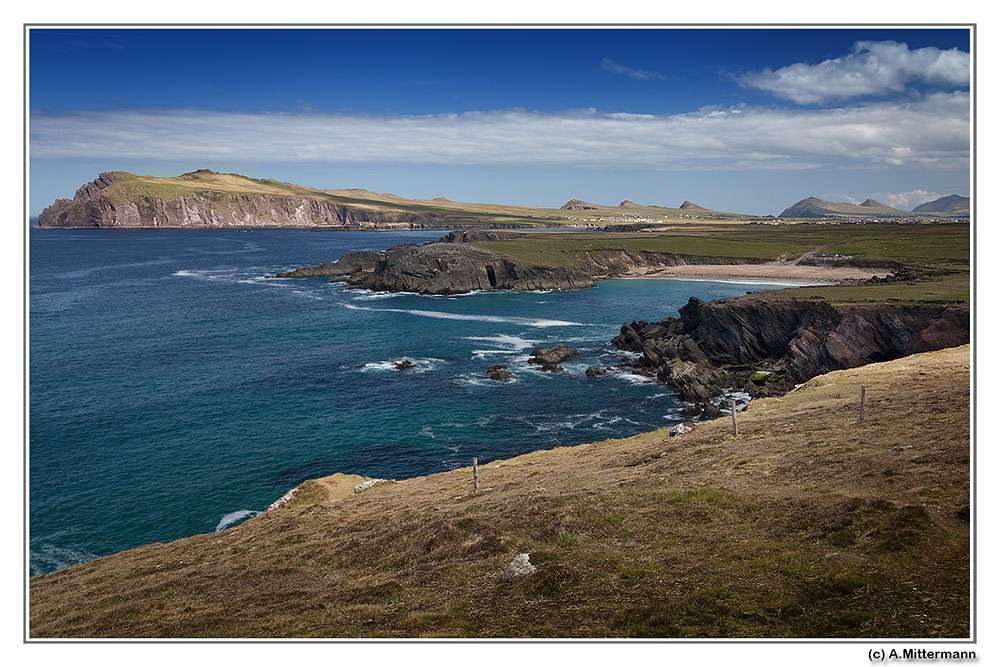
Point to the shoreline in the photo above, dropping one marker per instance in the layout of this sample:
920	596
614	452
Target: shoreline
771	272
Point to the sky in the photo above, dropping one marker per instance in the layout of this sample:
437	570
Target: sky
742	120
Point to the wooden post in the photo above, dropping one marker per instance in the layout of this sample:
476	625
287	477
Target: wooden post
732	407
475	475
861	417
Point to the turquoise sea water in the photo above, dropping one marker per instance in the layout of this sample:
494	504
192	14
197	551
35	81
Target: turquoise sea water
174	390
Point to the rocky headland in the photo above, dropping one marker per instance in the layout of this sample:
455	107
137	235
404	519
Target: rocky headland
453	265
767	346
442	268
206	199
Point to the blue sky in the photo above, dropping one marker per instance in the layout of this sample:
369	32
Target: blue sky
745	120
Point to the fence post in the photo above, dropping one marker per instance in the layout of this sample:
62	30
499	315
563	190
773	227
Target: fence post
475	475
861	417
732	407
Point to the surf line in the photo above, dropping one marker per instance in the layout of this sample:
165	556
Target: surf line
523	321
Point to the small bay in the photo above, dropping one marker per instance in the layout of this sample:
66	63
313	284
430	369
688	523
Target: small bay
175	390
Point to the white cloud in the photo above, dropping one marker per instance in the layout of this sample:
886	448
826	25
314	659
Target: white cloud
609	65
872	68
932	131
906	200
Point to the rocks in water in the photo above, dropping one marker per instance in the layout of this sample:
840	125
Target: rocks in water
519	568
354	263
552	356
595	371
727	343
681	429
709	411
704	410
404	365
499	373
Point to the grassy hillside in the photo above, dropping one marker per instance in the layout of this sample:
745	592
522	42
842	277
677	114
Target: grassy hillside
133	186
807	524
926	245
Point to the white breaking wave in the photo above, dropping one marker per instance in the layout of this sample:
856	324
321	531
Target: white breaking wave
436	314
751	281
476	380
234	517
366	295
421	365
633	378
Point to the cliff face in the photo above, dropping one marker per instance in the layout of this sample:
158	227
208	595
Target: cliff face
611	262
122	200
95	206
442	268
765	346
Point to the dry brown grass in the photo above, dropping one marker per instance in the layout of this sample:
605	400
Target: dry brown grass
807	524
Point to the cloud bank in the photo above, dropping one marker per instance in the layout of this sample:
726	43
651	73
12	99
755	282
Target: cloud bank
872	68
932	132
609	65
907	200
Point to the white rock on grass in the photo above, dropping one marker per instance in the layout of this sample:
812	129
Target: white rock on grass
681	429
519	568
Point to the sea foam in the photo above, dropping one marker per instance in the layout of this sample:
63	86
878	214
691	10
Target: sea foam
235	517
436	314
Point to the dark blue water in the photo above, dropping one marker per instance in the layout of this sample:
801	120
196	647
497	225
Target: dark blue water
174	389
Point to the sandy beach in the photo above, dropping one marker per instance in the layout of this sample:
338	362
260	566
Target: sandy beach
776	271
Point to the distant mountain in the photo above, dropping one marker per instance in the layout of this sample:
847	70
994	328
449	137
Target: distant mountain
630	204
691	206
578	205
949	205
813	207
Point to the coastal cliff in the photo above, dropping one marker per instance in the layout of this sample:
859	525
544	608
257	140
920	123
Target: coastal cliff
796	527
766	346
206	199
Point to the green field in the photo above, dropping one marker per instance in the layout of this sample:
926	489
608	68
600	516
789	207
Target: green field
917	245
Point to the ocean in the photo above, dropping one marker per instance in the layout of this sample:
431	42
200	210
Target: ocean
175	390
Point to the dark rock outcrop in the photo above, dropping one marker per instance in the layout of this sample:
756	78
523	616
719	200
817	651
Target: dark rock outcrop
595	371
725	342
443	268
405	365
499	373
348	265
468	236
553	355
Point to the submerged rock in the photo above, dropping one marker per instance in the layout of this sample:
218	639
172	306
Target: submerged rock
519	568
405	364
595	371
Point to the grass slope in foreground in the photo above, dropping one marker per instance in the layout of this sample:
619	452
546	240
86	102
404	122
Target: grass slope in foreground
807	524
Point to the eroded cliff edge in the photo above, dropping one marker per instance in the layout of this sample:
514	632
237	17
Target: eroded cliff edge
767	346
206	199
